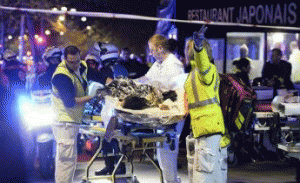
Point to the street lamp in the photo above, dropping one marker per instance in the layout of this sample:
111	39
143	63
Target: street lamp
64	8
83	19
39	39
47	32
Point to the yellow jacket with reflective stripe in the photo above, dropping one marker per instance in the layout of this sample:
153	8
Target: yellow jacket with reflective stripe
202	89
72	114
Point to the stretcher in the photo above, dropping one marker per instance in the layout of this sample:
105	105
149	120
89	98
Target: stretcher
287	109
131	138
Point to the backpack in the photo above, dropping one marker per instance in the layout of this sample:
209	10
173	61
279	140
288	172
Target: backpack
237	101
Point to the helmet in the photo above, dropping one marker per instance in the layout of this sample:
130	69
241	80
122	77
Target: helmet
106	51
91	57
52	52
9	54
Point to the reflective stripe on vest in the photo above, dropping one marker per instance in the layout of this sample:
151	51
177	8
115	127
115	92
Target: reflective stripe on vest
197	102
217	83
204	103
204	72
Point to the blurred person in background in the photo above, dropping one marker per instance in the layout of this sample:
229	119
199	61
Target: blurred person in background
108	55
244	54
92	61
95	69
4	80
13	164
133	67
294	59
51	58
143	66
243	69
14	70
276	73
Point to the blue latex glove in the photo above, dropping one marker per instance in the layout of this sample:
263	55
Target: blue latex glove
198	38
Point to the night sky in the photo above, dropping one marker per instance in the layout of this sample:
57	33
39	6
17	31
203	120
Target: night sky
134	33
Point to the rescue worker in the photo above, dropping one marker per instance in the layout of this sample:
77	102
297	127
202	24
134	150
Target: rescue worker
165	74
51	58
13	69
204	145
92	61
4	81
109	54
135	69
69	88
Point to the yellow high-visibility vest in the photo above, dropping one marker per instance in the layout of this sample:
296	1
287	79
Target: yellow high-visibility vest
66	114
204	102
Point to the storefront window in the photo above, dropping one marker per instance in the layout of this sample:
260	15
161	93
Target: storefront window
254	42
288	44
283	41
217	46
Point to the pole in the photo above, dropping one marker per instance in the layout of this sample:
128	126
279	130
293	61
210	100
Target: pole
2	42
21	46
2	46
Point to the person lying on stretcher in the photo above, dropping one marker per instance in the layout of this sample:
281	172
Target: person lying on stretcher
140	96
132	96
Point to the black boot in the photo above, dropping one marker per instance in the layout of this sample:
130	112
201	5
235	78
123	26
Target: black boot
122	167
109	166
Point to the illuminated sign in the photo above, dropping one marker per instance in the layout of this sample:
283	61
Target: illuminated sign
274	14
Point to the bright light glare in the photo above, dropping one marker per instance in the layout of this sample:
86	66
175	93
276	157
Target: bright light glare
36	36
9	37
54	9
34	115
88	27
62	18
61	33
73	10
47	32
278	37
64	8
83	19
40	39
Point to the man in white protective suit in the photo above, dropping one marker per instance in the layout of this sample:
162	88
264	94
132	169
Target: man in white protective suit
165	75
